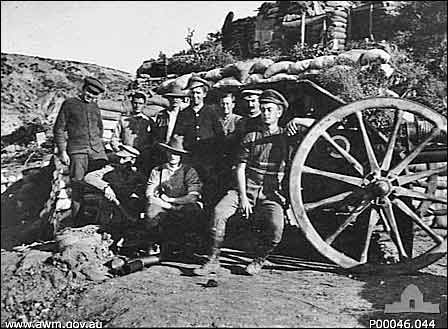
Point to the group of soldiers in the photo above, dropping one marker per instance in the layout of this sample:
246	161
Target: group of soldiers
199	166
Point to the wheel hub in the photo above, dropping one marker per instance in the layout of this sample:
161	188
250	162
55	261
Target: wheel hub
379	187
382	187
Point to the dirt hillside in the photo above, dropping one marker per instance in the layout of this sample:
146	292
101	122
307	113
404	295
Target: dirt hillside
29	83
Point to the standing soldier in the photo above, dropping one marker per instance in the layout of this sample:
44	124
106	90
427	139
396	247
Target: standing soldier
203	135
136	130
229	120
78	133
252	121
166	119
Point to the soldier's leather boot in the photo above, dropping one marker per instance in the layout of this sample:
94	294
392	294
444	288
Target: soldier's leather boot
255	266
263	250
211	266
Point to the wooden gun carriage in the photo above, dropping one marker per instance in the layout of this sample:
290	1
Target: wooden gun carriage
358	170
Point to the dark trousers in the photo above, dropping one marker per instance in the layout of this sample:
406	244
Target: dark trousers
172	225
80	165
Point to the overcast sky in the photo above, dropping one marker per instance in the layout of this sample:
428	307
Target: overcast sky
117	34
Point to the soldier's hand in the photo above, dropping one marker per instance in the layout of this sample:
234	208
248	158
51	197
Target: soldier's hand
245	207
297	125
166	198
109	194
65	159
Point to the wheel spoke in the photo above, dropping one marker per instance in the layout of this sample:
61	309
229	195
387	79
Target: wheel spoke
355	163
406	161
369	149
350	220
403	180
343	178
385	222
408	211
373	220
327	201
389	213
390	147
401	191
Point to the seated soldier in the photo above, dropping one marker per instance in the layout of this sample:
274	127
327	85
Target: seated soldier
260	171
121	182
174	192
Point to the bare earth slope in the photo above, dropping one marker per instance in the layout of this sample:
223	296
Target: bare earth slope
29	82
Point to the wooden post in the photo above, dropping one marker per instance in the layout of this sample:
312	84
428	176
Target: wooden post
302	35
371	22
324	32
349	26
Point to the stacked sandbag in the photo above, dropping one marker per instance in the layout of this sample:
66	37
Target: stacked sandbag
155	104
337	12
58	206
299	66
111	111
227	83
279	67
365	57
213	75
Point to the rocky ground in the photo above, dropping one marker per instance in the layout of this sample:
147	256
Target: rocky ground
290	292
54	281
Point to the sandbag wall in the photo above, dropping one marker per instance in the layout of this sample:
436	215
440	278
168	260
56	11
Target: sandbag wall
337	14
330	22
262	70
111	112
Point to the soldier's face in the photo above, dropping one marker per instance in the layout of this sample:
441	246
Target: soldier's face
125	160
270	113
227	105
253	105
179	103
173	159
138	104
197	95
89	97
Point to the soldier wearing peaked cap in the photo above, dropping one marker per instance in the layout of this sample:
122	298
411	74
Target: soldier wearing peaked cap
78	133
252	120
259	193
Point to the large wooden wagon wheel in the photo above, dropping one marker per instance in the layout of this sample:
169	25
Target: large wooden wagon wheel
366	187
